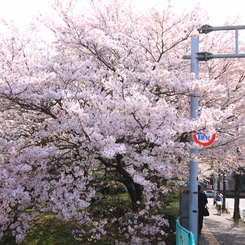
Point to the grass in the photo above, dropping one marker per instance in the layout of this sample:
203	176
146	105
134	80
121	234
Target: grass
240	220
48	230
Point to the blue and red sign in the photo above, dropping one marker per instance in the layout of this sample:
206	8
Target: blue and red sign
203	139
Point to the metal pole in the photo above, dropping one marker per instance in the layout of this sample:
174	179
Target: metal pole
237	42
206	28
193	192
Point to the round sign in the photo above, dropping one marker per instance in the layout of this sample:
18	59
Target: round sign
203	139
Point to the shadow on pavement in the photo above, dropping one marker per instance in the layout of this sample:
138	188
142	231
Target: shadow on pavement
220	229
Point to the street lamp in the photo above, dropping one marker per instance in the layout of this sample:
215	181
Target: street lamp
195	57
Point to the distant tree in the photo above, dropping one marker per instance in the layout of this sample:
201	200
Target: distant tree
236	214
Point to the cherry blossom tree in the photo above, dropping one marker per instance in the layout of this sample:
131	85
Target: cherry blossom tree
107	103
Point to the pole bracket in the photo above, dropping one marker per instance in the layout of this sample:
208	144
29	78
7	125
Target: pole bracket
204	56
205	29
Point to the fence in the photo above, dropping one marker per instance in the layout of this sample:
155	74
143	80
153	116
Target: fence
183	236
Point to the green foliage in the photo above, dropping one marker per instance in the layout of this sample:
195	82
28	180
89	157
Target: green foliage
47	230
171	213
110	207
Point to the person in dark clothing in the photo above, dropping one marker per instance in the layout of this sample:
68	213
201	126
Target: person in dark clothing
202	201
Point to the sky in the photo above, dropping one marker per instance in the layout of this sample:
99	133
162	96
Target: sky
22	11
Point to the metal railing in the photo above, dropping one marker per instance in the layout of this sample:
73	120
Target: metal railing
183	236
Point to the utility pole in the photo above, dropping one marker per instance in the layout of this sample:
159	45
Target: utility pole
195	57
193	189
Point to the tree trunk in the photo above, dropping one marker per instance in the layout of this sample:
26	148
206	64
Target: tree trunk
236	215
135	190
218	182
224	192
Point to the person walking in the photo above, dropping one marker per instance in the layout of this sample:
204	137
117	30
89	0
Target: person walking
202	202
218	200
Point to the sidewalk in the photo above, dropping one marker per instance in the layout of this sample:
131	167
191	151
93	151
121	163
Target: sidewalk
219	230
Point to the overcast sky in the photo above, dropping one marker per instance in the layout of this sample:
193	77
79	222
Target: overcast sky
22	11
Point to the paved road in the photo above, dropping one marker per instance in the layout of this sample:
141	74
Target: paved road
220	230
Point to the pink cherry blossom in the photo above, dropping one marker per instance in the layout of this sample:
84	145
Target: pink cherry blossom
108	100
